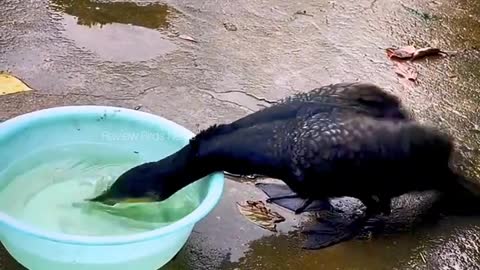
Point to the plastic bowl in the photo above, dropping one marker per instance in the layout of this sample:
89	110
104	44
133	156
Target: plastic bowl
38	249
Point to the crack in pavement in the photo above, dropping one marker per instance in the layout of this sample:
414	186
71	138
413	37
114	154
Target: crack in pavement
241	92
258	101
226	101
146	90
247	94
84	95
141	93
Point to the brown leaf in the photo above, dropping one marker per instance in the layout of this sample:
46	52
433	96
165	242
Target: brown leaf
425	52
257	212
401	53
411	53
405	70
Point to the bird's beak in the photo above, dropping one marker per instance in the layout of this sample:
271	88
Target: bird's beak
105	199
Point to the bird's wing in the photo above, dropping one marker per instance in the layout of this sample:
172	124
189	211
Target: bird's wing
281	111
321	93
358	98
335	146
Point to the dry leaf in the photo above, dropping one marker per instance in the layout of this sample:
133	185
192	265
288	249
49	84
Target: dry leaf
425	52
9	84
401	53
411	53
405	70
189	38
257	212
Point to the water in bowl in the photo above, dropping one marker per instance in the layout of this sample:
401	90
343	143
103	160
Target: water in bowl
48	189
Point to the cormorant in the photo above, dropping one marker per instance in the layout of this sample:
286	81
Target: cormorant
346	139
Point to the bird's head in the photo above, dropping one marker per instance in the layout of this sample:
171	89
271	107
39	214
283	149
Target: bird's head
156	181
148	182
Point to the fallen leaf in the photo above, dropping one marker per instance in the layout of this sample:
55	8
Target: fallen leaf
411	53
9	84
425	52
258	213
405	70
189	38
401	53
403	57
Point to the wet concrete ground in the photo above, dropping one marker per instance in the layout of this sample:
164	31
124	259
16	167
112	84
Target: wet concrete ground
246	54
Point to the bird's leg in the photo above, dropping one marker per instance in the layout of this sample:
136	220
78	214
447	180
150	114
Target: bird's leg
376	206
305	204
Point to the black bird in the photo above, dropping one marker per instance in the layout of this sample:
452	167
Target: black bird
348	139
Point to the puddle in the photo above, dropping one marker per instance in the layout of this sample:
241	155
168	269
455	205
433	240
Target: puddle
118	42
120	32
91	13
426	248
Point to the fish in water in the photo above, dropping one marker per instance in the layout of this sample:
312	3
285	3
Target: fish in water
346	139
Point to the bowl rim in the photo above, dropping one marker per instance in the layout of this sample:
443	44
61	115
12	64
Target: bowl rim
213	196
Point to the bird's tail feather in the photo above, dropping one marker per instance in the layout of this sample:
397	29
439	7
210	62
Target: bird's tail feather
462	198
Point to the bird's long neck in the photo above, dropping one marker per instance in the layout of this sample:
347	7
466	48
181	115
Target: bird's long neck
185	166
223	148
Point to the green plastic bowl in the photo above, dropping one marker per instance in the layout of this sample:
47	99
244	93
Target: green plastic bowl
38	249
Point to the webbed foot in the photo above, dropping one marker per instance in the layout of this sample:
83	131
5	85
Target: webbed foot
283	196
332	229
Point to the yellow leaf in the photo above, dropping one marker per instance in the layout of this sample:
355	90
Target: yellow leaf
10	84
